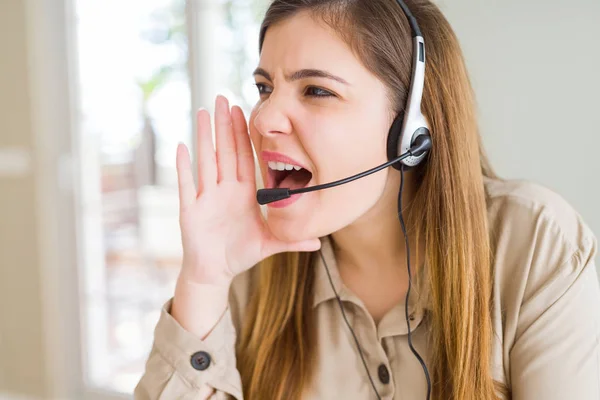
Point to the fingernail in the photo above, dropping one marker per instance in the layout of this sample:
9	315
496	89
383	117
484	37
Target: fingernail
222	102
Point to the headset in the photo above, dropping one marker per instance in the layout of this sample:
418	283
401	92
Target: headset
408	144
410	123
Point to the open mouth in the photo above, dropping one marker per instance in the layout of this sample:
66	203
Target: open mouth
282	175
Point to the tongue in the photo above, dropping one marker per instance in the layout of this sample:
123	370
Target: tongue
296	179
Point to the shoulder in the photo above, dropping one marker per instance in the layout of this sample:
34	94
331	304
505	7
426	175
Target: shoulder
536	235
518	203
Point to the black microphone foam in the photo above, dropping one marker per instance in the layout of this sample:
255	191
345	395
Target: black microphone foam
265	196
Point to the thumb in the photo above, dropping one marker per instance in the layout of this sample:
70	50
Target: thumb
277	246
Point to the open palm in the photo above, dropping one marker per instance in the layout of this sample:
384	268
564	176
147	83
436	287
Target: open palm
223	231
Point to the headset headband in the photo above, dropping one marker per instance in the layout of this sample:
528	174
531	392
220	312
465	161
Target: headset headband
411	123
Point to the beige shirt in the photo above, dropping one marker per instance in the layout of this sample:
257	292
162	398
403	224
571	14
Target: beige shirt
546	319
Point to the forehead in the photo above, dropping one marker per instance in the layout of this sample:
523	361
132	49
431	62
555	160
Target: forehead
302	41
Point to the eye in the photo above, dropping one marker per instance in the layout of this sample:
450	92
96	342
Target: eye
263	89
314	91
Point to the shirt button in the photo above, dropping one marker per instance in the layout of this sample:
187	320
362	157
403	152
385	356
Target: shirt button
200	360
384	374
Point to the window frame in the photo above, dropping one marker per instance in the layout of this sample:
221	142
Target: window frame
52	36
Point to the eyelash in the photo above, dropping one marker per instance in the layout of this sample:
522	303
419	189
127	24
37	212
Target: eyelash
262	87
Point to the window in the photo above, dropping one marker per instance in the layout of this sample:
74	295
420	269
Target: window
137	96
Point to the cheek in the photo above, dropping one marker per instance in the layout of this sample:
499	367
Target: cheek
323	212
339	146
344	204
348	147
358	148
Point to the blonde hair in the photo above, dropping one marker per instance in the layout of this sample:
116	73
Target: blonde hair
278	339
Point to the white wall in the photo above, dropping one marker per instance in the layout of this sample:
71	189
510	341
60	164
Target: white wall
535	66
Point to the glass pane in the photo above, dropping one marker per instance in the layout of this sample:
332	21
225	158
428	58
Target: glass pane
134	108
238	50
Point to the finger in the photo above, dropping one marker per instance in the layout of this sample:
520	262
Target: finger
185	178
226	158
275	246
207	162
245	156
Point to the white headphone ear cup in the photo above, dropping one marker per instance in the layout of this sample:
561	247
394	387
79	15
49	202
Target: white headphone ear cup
412	161
416	124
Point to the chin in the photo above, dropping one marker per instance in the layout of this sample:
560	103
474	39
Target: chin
315	215
292	228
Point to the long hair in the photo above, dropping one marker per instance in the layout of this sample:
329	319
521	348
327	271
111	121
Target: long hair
278	337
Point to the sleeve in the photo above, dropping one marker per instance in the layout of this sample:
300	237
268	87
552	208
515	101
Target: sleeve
182	366
556	354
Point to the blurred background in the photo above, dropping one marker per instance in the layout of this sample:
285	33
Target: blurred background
94	97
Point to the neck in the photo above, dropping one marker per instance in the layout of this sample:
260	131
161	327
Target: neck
375	241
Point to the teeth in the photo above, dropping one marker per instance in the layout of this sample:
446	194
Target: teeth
279	166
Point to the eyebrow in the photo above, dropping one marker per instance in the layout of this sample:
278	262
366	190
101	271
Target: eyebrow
301	74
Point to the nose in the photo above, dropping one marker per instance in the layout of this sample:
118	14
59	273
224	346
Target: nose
271	119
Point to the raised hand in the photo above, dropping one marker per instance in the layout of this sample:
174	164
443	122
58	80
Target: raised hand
223	231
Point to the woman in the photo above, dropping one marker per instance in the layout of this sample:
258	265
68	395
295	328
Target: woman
502	271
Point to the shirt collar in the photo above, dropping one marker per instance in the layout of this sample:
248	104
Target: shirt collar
324	292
